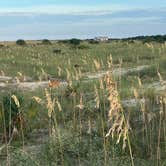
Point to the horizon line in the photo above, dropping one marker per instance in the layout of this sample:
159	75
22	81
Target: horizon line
56	39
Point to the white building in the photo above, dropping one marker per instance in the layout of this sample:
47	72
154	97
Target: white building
101	38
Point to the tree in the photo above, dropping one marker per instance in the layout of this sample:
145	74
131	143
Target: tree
20	42
46	41
75	42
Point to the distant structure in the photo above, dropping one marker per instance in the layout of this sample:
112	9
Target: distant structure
101	38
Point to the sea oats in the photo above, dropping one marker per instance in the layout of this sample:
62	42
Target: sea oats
97	64
50	103
16	100
59	105
37	99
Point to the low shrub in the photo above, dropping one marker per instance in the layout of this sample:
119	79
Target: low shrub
46	42
83	46
20	42
57	51
93	41
75	42
1	45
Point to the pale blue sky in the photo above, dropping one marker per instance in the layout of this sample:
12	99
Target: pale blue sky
59	19
23	3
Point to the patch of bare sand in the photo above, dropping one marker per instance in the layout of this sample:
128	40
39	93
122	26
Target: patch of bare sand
116	72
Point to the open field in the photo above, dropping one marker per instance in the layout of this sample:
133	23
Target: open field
108	106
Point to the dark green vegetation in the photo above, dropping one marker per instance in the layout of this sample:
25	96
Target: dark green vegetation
68	125
31	59
146	39
46	42
20	42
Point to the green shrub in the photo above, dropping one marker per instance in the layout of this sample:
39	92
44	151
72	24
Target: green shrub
91	41
75	42
20	42
1	45
57	51
46	42
83	46
147	72
20	158
63	41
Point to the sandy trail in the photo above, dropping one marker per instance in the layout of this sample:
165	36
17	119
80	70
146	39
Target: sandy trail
158	86
9	82
30	86
5	78
115	72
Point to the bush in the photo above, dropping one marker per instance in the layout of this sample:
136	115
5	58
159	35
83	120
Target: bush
21	158
20	42
83	46
63	41
46	42
150	72
91	41
75	42
130	41
72	149
1	45
57	51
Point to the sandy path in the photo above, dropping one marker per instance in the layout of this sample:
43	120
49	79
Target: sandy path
31	86
116	72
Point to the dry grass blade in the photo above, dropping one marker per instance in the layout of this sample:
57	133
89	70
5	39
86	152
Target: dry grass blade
37	99
50	103
110	61
59	71
119	125
139	81
97	98
80	105
16	101
97	64
59	105
160	77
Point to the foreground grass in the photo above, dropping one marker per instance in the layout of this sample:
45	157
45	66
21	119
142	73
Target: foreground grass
68	126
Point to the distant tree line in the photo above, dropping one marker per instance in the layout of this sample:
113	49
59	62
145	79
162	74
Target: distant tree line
73	41
22	42
76	42
146	39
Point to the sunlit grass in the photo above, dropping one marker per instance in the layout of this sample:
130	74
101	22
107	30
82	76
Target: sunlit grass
75	119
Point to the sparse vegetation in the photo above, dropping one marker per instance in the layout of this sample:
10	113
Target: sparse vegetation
11	113
1	45
99	106
147	39
83	46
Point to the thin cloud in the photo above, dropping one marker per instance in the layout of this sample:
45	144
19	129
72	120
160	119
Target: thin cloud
80	21
72	10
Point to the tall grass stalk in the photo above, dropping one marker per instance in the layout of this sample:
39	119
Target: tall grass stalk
120	125
5	138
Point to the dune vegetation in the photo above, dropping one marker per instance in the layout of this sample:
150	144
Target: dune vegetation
83	103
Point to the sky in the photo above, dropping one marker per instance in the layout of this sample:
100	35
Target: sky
62	19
